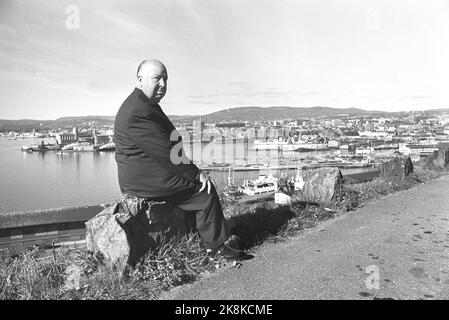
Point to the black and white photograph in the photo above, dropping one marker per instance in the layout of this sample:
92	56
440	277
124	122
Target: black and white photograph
220	156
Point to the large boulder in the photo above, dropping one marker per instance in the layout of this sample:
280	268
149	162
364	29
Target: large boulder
128	229
393	168
320	185
105	235
438	161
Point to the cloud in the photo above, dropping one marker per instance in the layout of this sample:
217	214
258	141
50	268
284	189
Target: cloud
238	83
268	93
123	22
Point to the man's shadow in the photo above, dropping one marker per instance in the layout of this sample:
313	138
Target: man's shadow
255	226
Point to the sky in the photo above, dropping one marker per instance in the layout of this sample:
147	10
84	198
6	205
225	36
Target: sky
75	58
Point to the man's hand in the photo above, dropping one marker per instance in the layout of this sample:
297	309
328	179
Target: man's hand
207	181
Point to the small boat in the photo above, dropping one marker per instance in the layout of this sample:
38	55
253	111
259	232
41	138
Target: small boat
261	185
218	165
107	147
69	146
27	148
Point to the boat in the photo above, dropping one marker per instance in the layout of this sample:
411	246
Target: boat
272	144
364	151
269	144
304	146
215	165
69	146
27	148
263	184
416	149
107	147
386	146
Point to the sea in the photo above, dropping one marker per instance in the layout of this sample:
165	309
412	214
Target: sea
31	181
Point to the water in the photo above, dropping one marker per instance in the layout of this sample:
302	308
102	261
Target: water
35	181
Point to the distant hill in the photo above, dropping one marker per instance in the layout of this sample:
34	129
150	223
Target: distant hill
271	113
44	125
87	118
438	110
230	114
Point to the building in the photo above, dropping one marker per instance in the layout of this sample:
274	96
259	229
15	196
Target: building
100	139
198	128
63	139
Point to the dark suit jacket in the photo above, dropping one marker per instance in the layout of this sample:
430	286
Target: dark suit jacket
142	139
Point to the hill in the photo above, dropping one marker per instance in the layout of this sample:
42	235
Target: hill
230	114
86	118
270	113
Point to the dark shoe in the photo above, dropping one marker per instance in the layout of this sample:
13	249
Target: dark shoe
232	254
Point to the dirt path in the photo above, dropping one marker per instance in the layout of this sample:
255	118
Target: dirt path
405	236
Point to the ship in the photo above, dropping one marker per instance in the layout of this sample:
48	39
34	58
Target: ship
69	147
386	146
107	147
304	147
263	184
269	144
281	145
415	149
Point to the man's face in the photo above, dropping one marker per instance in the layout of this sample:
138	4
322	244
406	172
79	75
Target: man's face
153	82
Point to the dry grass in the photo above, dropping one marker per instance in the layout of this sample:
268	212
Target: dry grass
28	277
381	186
31	277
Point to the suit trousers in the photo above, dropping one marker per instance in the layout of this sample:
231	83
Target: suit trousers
210	221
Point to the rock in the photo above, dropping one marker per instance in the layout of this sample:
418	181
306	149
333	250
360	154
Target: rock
73	278
105	235
393	168
408	166
282	199
438	161
127	230
320	185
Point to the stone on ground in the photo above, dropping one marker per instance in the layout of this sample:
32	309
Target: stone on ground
408	166
282	199
393	168
438	161
122	233
320	185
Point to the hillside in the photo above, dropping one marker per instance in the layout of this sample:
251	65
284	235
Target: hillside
229	114
277	113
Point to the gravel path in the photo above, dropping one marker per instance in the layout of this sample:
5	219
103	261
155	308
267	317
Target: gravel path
405	236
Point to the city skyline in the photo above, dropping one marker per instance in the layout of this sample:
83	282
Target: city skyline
70	58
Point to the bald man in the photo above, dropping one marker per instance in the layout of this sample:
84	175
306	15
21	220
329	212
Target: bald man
145	171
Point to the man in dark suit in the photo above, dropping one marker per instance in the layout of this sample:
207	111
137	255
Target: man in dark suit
146	165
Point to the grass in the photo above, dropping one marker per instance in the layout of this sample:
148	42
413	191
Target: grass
382	185
78	274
